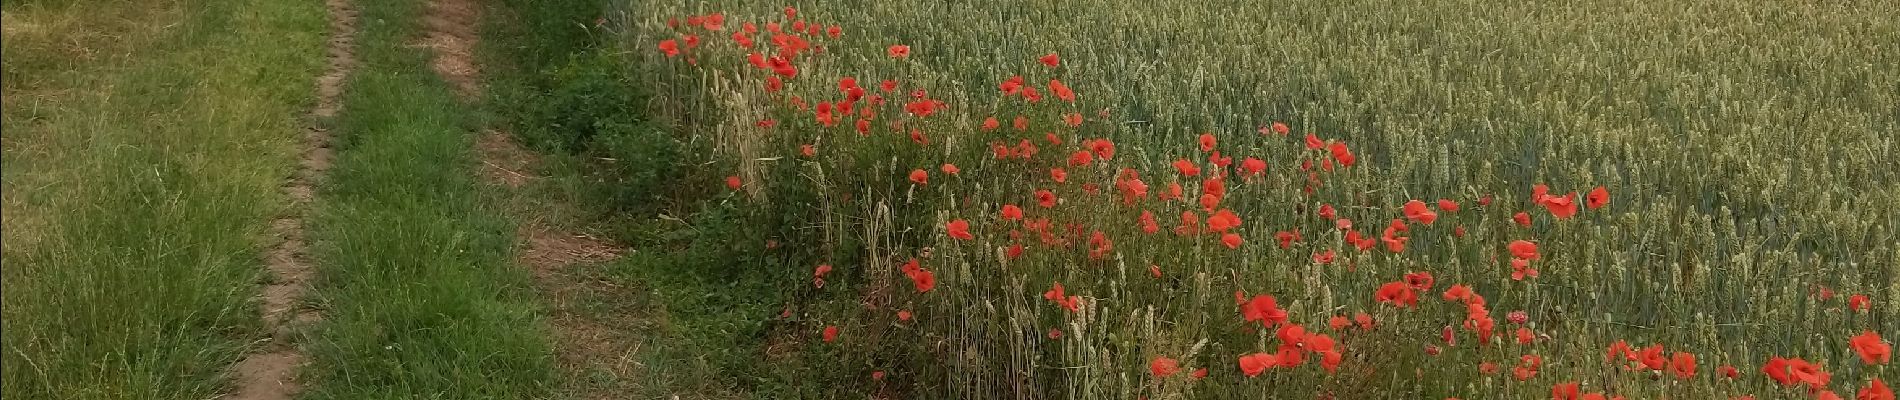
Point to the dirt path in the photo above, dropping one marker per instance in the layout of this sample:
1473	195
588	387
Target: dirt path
583	342
272	371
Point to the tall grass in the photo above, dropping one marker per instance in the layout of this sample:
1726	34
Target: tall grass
1748	147
144	144
420	295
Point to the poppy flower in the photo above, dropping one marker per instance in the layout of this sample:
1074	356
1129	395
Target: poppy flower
1232	241
1286	238
1870	348
903	315
670	47
1323	257
1524	336
1163	367
1522	219
1487	368
1458	292
1280	128
831	333
1253	364
1102	148
1419	280
1565	391
1341	153
920	177
834	31
1562	207
1148	224
1223	220
1313	142
1875	390
1682	364
1045	198
1014	251
1417	212
1012	212
1262	308
899	51
1397	294
1207	142
1363	319
1050	60
1073	120
1651	357
1199	373
1523	249
959	229
1187	167
1597	198
1728	371
1058	175
773	84
1858	302
1061	91
732	182
990	124
821	270
1338	322
1253	166
1055	333
923	280
1448	205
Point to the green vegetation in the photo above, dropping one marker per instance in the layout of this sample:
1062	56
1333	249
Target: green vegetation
420	295
1747	149
144	146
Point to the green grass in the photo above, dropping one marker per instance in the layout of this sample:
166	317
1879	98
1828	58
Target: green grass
144	147
420	295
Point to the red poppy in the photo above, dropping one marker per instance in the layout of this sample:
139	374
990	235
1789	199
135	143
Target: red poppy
670	47
1163	367
1341	153
1012	212
1875	390
1012	85
1447	205
732	182
1058	175
1338	322
923	280
1522	218
1286	238
1323	257
1199	373
1313	142
950	169
920	177
834	31
1207	142
1597	198
903	315
821	270
1232	241
1419	280
899	51
959	229
1045	198
1061	91
1363	319
1278	128
1148	224
1055	333
1458	292
831	333
1858	302
1223	220
1417	212
1651	357
1253	364
1523	249
1187	167
1050	60
1262	308
1562	207
1870	348
1682	365
1565	391
773	84
1397	294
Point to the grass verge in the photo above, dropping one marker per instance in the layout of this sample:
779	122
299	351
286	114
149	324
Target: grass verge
144	146
414	261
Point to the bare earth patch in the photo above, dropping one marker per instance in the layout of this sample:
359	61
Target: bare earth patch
271	372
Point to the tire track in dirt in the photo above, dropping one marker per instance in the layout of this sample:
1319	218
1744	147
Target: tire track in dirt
581	341
271	372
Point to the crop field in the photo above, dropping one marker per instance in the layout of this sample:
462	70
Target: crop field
984	199
1099	199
